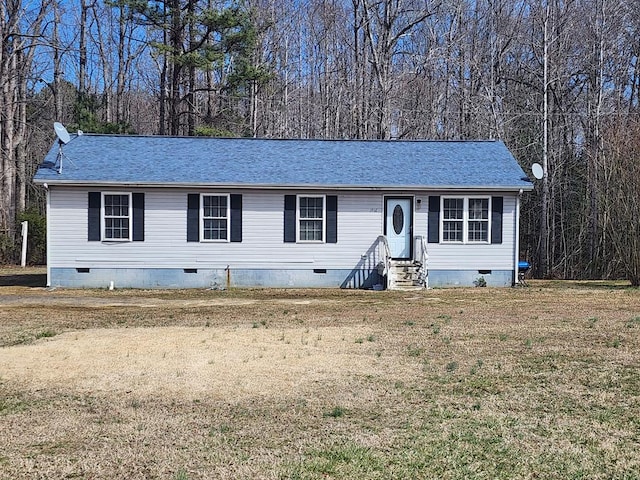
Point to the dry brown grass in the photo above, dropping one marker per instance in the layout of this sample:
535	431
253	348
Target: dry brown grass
542	382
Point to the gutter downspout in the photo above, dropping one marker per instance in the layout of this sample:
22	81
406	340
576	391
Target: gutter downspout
48	218
516	253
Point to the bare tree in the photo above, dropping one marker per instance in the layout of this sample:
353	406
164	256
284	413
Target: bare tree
553	79
386	23
622	202
20	30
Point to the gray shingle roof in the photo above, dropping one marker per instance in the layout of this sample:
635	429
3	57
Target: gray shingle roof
119	159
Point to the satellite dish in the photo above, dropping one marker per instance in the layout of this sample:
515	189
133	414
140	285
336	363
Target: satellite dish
61	132
63	139
536	168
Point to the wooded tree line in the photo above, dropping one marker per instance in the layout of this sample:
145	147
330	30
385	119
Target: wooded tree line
556	80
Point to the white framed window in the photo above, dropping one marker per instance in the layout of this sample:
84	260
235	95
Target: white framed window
214	217
452	219
478	220
116	217
466	219
311	217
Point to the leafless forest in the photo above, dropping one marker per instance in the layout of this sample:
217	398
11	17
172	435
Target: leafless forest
557	81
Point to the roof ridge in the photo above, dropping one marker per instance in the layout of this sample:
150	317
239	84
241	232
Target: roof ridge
289	139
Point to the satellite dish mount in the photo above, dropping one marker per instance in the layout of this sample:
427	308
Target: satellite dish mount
63	139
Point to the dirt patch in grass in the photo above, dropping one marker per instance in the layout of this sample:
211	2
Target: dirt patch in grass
539	382
23	277
192	363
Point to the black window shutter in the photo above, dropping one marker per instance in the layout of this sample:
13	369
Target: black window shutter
138	216
95	199
289	218
496	219
236	218
433	235
332	219
193	217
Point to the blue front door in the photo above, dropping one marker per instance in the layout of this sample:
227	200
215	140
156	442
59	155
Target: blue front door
398	227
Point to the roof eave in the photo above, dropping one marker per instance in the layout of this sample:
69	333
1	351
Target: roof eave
265	186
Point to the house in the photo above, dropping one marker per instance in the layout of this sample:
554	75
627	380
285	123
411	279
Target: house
150	211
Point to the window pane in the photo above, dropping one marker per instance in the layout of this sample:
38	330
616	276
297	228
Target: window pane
478	231
215	229
116	228
116	205
311	230
311	207
452	231
215	206
453	208
108	227
478	209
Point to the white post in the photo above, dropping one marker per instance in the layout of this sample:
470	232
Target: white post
25	231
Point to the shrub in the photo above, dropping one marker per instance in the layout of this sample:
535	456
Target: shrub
336	412
480	282
207	131
37	237
7	249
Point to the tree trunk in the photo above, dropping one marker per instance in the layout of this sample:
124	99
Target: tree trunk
176	46
57	63
82	49
544	217
191	83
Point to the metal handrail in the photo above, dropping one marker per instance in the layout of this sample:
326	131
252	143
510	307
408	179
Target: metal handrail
424	260
385	255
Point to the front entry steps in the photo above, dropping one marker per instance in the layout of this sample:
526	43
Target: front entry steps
406	275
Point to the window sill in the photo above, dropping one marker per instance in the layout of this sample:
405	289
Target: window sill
464	243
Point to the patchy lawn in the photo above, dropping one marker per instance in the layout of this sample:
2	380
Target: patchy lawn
538	382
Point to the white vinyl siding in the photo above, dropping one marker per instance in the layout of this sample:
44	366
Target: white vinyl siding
360	222
165	245
477	256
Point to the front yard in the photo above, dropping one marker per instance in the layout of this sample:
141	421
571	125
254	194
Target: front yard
538	382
